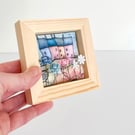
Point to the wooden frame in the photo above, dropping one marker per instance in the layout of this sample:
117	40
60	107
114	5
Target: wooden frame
27	43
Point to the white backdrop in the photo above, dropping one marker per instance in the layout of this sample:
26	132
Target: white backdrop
112	21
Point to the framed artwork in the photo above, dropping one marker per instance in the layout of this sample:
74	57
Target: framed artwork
64	51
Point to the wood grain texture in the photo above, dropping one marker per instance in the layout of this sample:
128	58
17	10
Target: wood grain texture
26	34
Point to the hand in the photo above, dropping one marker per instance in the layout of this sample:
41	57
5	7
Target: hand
11	82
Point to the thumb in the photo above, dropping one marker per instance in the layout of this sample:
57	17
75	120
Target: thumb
10	82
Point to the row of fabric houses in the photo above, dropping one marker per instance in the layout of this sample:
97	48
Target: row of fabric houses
56	59
53	48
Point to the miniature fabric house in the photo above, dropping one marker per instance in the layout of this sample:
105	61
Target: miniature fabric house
53	48
68	47
43	47
60	43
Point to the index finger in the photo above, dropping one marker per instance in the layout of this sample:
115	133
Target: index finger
11	67
12	83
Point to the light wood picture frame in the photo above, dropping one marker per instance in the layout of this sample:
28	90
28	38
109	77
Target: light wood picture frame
30	32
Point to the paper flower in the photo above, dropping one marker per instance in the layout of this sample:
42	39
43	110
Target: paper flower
54	67
45	60
64	63
75	64
81	59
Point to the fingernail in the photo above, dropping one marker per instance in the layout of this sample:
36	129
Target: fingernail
35	71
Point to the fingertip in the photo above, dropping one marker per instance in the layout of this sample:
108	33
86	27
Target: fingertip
44	107
50	104
29	77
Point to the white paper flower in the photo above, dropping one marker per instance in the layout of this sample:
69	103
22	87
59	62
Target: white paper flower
81	59
75	64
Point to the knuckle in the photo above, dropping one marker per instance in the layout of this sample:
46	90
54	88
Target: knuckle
24	81
2	84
